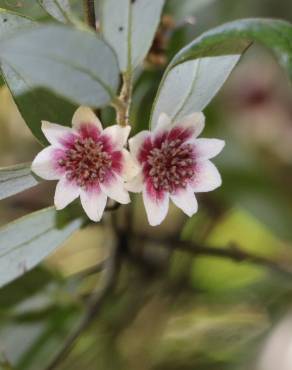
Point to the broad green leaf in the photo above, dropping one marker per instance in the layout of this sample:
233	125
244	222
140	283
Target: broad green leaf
190	86
233	37
9	22
34	104
15	179
227	41
32	283
56	8
71	62
27	241
129	27
37	104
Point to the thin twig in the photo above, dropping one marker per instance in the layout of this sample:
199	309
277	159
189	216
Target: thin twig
89	13
123	108
93	307
232	252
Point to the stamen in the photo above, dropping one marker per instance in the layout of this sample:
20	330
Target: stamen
171	166
86	162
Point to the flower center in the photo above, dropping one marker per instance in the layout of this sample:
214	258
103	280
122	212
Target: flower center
86	162
171	166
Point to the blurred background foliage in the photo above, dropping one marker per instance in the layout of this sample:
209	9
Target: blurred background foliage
200	313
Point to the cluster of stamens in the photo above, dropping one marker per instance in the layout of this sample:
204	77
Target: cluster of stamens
86	162
171	166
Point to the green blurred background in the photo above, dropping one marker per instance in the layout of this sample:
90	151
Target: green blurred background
200	313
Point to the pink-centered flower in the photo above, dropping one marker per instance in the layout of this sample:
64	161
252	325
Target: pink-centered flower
88	162
174	164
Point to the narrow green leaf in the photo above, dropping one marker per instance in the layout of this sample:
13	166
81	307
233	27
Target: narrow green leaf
15	179
129	27
58	9
233	37
27	241
190	86
197	72
71	62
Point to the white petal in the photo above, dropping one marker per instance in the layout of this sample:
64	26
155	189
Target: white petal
55	133
118	134
164	122
196	121
115	189
93	203
207	177
130	168
186	201
156	208
208	148
137	141
136	184
66	192
43	164
85	115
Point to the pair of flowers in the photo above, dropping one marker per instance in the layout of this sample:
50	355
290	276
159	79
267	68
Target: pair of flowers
90	162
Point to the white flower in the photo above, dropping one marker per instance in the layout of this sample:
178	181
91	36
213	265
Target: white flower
174	164
88	162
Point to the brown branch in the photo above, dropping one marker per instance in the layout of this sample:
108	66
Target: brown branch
93	307
232	252
89	13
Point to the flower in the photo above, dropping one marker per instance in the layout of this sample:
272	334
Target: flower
88	162
174	164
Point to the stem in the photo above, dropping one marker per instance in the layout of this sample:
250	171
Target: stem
232	252
89	13
123	102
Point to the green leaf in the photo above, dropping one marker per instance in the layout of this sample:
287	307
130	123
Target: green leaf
190	86
37	104
27	241
32	283
71	62
200	68
34	104
9	22
233	37
15	179
58	9
129	27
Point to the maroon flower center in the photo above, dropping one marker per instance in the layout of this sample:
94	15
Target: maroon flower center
86	162
171	166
